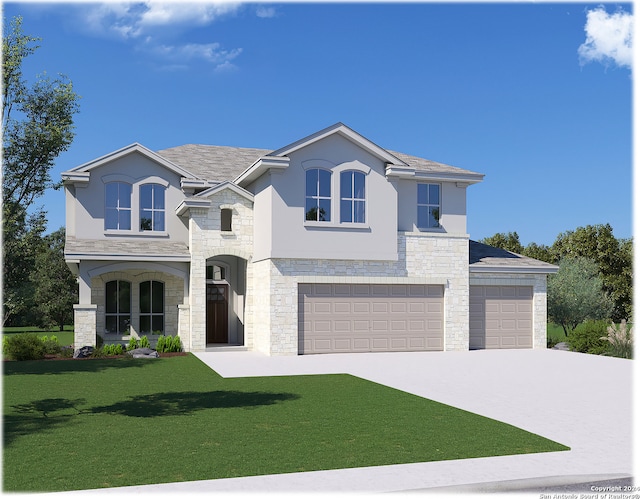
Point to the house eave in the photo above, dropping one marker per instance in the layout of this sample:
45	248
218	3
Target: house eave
186	205
77	257
503	269
260	167
463	179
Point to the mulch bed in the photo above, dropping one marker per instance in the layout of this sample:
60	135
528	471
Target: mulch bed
58	357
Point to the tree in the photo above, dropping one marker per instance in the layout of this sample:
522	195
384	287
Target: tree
575	294
56	288
37	125
509	241
613	257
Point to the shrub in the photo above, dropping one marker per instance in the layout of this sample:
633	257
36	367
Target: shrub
144	342
160	345
587	338
99	352
176	344
113	349
620	340
133	344
24	346
99	341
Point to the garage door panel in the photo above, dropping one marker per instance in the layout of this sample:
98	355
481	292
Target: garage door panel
501	317
371	317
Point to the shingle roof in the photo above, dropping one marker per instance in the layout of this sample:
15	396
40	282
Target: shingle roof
487	258
110	248
214	163
427	165
220	163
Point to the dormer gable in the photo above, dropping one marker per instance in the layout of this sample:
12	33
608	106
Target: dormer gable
279	159
80	175
202	200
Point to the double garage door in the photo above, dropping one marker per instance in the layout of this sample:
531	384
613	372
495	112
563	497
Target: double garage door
369	318
384	318
500	317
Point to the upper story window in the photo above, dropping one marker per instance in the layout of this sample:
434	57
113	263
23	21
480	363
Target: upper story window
352	197
117	307
152	207
428	206
318	195
117	213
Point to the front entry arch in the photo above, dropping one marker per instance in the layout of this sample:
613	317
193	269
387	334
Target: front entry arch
217	313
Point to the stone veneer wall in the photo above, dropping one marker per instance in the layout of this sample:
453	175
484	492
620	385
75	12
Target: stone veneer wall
173	297
84	325
206	240
423	258
539	284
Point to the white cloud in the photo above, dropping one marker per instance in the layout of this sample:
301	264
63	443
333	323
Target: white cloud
154	28
609	38
265	12
211	53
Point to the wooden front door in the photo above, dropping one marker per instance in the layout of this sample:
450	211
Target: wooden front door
217	310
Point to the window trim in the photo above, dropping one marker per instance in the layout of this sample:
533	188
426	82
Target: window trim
353	199
118	208
317	196
118	314
153	210
151	314
428	205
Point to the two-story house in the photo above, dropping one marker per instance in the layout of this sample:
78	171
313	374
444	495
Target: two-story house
329	244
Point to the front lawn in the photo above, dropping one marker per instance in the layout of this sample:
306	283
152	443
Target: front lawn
64	337
83	424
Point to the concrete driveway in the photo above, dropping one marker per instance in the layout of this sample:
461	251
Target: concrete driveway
582	401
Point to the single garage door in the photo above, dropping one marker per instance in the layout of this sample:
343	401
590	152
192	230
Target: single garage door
500	317
369	318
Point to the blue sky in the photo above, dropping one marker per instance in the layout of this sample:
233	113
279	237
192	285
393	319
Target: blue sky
528	94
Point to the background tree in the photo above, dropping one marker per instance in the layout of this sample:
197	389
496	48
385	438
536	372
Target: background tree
56	288
37	125
509	241
613	257
575	294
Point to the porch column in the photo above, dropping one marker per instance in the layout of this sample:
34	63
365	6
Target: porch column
84	324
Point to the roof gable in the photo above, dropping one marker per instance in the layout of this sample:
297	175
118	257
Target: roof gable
349	134
77	172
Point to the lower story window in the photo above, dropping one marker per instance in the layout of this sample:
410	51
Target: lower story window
118	307
152	307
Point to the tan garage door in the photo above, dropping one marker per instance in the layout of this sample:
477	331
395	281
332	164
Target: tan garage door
500	317
369	318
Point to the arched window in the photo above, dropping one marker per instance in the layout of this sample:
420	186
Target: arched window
352	197
318	195
117	206
117	307
152	207
151	307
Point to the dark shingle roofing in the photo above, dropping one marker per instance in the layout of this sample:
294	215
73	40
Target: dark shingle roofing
220	163
484	257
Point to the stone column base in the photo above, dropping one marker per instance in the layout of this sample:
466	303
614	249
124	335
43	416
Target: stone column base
84	325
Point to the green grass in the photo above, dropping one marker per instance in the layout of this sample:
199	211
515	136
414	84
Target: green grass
64	337
556	332
115	422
